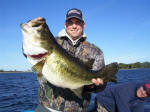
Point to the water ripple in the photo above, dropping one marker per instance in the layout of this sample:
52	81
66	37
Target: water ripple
19	91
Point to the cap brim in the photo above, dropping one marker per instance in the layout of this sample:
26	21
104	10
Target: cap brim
74	17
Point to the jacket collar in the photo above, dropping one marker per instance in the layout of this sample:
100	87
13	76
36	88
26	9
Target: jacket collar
63	34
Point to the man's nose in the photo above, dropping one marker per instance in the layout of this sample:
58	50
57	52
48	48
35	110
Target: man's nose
74	25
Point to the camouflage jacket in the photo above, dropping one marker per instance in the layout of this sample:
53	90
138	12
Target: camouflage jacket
65	100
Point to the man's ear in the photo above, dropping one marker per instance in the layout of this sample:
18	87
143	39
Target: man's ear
83	25
65	25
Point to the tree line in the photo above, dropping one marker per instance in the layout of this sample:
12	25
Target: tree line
1	70
134	65
121	66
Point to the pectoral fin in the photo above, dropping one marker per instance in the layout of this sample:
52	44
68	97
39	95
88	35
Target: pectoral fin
38	67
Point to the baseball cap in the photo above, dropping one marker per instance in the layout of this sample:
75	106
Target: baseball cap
147	88
74	13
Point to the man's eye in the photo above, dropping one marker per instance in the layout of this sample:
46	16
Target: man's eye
69	22
78	23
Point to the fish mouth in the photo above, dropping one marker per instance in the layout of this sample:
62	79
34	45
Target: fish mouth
22	27
38	56
37	23
35	57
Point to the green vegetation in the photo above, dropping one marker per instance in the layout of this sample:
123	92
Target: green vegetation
134	65
9	70
1	70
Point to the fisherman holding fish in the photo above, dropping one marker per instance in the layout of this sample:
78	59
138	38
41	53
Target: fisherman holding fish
68	70
73	40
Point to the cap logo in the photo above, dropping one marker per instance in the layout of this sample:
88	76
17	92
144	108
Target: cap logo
73	11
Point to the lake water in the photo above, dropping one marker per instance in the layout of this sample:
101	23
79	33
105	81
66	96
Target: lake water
19	91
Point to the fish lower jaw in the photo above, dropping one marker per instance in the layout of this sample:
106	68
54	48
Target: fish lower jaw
34	59
35	52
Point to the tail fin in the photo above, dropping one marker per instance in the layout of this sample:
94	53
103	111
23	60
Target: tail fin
109	72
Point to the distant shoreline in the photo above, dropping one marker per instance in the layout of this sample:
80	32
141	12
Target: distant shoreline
16	72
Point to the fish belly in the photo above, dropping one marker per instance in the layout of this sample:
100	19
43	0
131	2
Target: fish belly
57	77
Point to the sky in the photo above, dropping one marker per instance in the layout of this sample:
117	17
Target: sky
120	28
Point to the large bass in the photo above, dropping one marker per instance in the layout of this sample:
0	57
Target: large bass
54	63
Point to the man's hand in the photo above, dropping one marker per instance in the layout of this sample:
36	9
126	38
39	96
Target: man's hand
97	86
97	81
141	93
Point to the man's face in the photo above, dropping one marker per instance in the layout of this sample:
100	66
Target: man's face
141	93
74	28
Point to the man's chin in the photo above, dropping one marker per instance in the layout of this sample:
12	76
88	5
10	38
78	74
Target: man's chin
74	37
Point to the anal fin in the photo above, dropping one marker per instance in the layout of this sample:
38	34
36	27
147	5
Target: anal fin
78	92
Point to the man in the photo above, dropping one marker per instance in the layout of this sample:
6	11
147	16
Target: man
128	97
73	40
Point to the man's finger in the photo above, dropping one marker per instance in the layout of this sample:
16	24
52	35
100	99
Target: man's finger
98	81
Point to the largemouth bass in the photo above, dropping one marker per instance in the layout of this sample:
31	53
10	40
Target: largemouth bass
54	63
